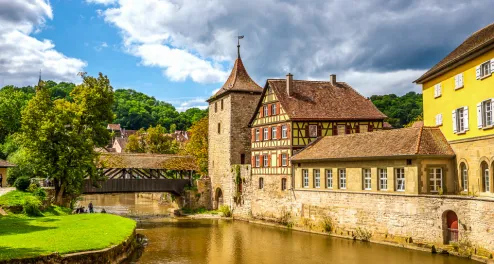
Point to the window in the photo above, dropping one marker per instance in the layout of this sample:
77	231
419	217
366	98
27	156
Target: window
273	132
216	107
329	178
266	111
266	132
284	131
317	178
439	119
484	70
257	134
342	176
219	128
221	104
484	113
258	161
459	81
383	179
261	183
435	179
273	109
312	130
284	160
464	176
283	184
437	90
341	129
400	179
305	178
484	168
265	159
366	174
460	120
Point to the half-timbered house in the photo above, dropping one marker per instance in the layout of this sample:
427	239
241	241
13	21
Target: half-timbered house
293	113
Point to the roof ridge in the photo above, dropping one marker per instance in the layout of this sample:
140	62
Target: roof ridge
419	139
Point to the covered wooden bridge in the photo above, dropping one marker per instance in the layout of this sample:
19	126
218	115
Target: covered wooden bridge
129	172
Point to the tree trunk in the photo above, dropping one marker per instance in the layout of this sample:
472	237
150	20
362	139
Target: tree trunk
59	195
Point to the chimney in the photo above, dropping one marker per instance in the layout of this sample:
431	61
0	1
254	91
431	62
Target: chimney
332	79
289	84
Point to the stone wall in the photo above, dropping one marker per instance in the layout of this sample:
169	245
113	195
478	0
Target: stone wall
417	218
200	197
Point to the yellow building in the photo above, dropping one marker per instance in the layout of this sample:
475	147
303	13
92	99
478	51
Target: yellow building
458	96
416	160
293	113
3	171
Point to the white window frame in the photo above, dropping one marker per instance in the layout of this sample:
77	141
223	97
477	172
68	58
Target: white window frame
258	161
266	112
400	179
435	176
439	119
329	178
459	81
464	177
460	120
284	160
485	69
317	178
258	133
305	178
265	160
265	134
437	90
342	179
284	131
367	179
273	132
485	112
273	109
487	178
383	179
311	129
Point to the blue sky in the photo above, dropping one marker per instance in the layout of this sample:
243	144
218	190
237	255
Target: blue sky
181	51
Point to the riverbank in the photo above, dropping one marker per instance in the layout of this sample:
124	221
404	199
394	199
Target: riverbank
35	237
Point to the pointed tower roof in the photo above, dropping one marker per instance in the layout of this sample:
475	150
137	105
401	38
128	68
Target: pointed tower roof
239	81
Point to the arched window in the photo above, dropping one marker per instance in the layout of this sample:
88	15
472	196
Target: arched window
261	183
464	176
486	184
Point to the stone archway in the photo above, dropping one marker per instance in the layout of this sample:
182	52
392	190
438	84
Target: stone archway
218	198
450	227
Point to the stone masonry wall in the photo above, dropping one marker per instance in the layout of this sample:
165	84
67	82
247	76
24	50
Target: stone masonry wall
419	217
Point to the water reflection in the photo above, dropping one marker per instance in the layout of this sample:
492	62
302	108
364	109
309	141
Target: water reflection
223	241
130	203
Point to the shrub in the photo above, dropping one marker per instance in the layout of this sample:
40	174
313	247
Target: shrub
225	209
464	247
285	218
32	206
327	224
40	193
362	234
22	183
32	187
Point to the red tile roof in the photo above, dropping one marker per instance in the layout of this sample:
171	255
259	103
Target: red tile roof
427	141
146	161
239	81
477	41
317	100
113	127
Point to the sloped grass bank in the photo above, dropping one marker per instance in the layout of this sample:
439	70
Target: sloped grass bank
27	237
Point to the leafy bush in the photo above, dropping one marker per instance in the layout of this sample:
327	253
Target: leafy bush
362	234
32	206
22	183
40	193
32	187
327	224
464	247
225	209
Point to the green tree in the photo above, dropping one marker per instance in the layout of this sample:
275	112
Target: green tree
153	140
59	136
197	146
400	110
12	101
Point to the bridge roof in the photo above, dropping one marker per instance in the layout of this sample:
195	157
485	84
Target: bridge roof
146	161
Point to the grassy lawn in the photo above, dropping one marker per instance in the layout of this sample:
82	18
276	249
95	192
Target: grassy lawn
22	237
14	198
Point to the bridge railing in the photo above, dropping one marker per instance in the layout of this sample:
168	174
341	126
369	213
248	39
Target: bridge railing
136	185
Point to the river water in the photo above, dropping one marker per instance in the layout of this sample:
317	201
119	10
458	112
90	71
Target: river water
172	240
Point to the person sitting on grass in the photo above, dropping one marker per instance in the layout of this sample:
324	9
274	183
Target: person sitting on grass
90	206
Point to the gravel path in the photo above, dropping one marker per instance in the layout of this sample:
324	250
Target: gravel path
6	190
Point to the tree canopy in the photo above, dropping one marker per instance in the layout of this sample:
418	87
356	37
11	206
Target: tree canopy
197	146
400	110
153	140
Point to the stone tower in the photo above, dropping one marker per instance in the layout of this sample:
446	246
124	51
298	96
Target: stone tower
230	111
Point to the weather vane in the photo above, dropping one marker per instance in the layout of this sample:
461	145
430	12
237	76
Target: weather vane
238	46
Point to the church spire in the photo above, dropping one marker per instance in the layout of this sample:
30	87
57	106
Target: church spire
238	46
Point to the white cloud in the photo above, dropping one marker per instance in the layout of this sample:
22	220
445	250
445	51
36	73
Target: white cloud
101	46
102	2
23	56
